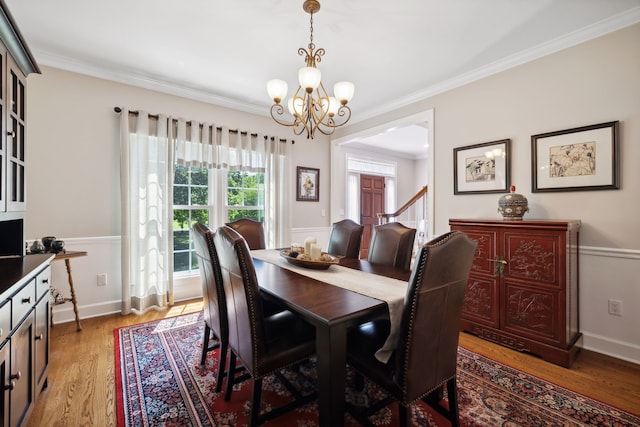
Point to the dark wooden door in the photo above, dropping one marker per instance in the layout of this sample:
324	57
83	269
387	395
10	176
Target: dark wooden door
371	203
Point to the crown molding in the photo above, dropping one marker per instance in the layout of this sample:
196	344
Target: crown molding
590	32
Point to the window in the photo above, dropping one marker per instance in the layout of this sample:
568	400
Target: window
245	195
195	198
191	203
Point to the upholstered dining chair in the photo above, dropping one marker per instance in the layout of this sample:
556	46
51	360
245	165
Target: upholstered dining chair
252	231
345	239
392	244
265	344
214	303
426	355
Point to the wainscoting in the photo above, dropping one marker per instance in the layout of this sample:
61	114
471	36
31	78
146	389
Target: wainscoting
605	273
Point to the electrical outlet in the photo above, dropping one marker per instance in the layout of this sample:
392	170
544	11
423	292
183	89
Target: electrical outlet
102	279
615	307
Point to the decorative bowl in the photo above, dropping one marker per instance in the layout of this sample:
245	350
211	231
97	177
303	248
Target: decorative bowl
308	263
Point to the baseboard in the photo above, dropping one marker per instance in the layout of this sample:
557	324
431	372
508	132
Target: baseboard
618	349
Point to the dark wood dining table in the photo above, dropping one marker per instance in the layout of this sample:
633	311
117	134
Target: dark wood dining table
332	310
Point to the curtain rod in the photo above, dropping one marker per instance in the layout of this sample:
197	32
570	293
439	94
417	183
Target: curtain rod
155	116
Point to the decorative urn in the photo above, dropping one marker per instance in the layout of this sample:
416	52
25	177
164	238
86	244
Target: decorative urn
513	205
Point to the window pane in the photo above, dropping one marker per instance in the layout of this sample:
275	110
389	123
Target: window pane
199	195
200	215
180	240
181	175
180	196
234	197
250	198
180	219
199	176
180	261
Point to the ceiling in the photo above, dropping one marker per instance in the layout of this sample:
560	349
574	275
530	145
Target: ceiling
223	52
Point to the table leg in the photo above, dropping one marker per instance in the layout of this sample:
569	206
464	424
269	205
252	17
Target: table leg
73	294
331	356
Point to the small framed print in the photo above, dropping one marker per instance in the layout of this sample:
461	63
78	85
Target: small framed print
482	168
583	158
307	184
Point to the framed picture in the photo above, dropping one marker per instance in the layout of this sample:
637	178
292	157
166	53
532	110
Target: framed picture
583	158
307	184
482	168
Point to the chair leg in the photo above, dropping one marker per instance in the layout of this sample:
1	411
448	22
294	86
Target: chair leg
230	376
255	402
452	395
222	366
405	414
205	343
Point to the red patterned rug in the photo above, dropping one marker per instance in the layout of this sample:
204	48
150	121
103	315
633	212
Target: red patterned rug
159	382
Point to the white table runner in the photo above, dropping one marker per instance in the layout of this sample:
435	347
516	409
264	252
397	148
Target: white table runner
392	291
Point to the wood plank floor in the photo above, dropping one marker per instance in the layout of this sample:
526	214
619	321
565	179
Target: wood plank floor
81	385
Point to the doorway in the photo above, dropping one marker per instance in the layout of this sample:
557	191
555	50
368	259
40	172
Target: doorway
371	202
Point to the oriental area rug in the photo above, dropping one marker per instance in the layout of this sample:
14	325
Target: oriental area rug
160	382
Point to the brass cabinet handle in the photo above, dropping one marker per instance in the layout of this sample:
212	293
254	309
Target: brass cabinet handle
10	386
11	133
498	266
16	376
39	337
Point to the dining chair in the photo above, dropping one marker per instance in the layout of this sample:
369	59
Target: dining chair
426	354
252	231
214	303
265	344
345	239
392	244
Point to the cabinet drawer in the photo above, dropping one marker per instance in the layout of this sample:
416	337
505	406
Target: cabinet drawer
22	302
43	280
5	320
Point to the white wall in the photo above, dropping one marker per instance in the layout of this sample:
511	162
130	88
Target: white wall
597	81
73	184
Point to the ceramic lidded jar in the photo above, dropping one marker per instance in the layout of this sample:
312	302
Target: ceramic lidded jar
513	205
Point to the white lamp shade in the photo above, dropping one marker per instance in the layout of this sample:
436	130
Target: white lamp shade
296	106
333	107
309	78
344	91
277	89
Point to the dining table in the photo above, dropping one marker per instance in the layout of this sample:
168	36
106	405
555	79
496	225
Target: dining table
333	300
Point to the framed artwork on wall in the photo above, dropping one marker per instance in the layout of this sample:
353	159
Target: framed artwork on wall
482	168
307	184
583	158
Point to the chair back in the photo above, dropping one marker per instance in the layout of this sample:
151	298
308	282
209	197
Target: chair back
252	231
242	292
215	306
392	244
345	239
426	355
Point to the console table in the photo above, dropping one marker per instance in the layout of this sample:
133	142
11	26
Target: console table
66	256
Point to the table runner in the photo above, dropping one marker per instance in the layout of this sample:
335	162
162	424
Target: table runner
392	291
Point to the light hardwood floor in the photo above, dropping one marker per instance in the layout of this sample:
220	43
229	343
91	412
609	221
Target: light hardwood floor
81	385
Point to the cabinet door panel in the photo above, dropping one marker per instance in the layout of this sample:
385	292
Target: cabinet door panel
22	396
532	312
532	256
480	301
5	353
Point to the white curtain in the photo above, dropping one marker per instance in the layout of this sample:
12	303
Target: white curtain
146	181
218	148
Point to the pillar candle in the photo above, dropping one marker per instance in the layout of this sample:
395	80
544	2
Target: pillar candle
307	244
315	252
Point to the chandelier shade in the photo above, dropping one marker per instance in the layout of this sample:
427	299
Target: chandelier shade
311	108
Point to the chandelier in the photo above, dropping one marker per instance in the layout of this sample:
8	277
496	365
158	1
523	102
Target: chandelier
311	107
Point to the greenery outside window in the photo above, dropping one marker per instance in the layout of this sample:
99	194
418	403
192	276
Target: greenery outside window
191	203
245	196
194	200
